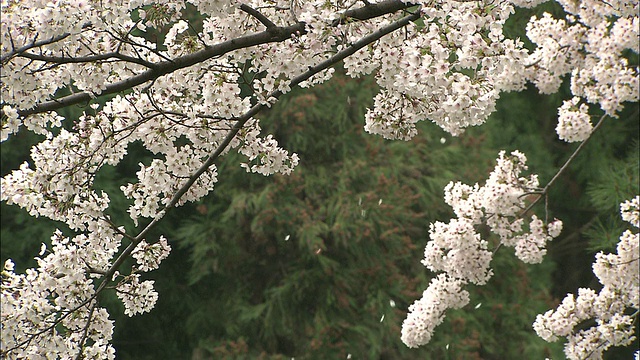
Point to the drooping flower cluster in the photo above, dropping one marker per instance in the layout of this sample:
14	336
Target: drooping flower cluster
612	308
458	250
138	297
148	256
425	314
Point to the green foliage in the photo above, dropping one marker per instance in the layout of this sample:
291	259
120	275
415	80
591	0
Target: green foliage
611	186
325	262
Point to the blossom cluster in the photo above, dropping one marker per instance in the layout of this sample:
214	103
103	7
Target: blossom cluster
589	44
425	314
612	307
265	153
574	123
458	250
56	300
450	71
148	256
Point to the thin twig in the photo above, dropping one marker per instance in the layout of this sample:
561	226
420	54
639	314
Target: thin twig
85	332
86	59
9	55
564	166
545	190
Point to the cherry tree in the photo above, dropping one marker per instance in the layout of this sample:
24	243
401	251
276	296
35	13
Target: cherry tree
192	97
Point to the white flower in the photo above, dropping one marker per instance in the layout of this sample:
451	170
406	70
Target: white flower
425	314
574	123
137	297
619	275
630	211
11	123
458	250
148	257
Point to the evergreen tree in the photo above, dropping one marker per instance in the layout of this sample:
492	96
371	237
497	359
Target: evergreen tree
322	263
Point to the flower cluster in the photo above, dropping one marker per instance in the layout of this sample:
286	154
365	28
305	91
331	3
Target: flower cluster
611	308
458	250
590	45
630	211
148	256
57	298
137	297
574	123
425	314
268	158
424	72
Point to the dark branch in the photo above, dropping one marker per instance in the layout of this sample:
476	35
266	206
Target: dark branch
270	35
85	332
564	167
86	59
258	15
371	11
166	67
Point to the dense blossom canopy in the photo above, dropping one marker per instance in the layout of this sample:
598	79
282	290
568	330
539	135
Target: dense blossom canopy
191	97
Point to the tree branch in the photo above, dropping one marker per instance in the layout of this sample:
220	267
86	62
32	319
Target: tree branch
6	57
370	11
258	15
271	34
85	332
86	59
564	166
166	67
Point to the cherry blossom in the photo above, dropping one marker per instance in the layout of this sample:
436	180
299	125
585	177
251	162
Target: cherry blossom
425	314
574	123
458	250
612	308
